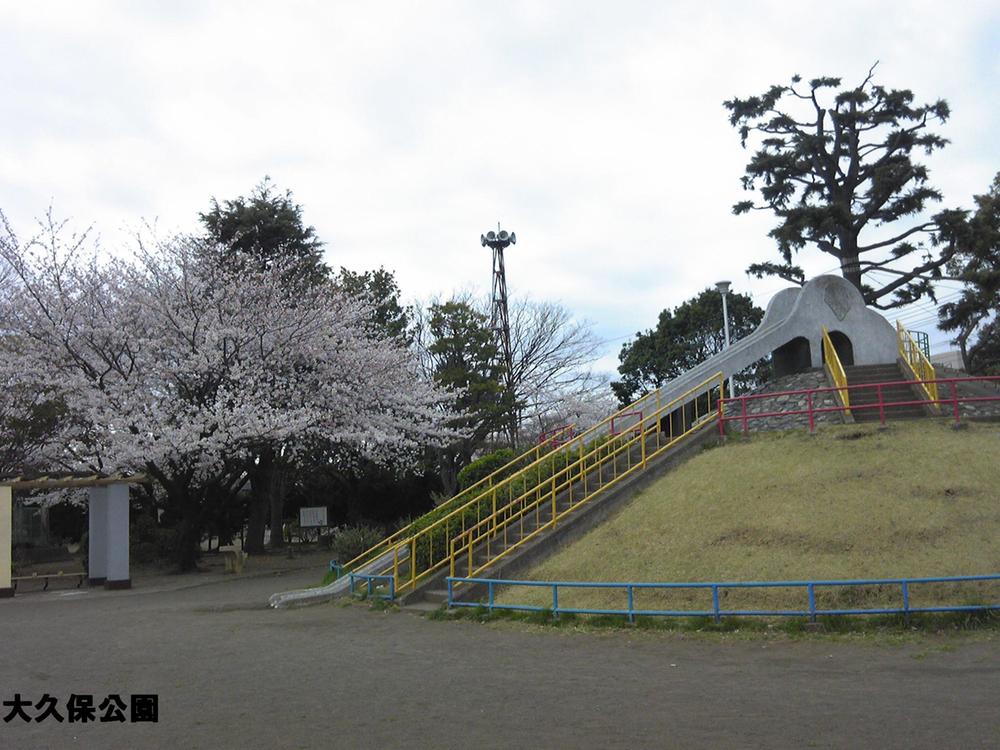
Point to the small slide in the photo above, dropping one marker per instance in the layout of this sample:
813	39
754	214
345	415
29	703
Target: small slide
319	594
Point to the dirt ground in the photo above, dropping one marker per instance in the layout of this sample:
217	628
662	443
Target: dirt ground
231	673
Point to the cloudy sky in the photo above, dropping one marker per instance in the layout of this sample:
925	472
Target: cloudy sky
595	130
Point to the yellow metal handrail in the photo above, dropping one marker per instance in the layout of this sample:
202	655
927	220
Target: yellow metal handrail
917	361
612	460
428	550
836	370
463	500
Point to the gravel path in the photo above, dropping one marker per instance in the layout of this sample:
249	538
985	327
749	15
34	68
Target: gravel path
232	674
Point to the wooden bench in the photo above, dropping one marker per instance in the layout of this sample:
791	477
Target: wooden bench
79	575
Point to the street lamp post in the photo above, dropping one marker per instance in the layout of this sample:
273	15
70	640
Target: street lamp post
723	287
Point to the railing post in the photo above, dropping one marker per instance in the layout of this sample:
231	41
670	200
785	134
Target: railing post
812	417
489	594
553	501
715	603
555	600
494	511
812	602
743	404
722	423
451	591
906	602
881	404
954	401
631	605
395	563
413	561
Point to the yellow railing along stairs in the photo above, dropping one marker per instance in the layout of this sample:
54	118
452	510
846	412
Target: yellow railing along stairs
499	514
587	466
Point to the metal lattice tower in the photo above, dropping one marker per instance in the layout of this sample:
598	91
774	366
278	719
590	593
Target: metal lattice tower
499	319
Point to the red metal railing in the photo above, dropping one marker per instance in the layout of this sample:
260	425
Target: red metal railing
636	427
557	436
947	396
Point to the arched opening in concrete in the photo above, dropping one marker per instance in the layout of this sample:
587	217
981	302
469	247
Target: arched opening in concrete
793	357
844	348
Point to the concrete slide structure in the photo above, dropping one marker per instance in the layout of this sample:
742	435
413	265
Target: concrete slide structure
791	331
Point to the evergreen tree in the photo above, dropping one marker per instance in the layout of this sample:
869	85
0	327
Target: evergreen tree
836	168
683	338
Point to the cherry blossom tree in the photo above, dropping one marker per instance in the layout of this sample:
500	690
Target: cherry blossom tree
178	367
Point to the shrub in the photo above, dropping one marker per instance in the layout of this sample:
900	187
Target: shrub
483	467
350	541
149	542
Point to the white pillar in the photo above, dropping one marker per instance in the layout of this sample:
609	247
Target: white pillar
6	538
816	352
117	557
97	515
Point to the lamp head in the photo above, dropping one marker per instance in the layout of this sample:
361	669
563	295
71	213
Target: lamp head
723	287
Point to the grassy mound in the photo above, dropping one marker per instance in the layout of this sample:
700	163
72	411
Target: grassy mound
917	499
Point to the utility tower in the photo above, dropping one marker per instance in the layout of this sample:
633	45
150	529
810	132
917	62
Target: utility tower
499	319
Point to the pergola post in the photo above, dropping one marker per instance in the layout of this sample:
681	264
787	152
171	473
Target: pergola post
97	535
118	576
107	525
6	539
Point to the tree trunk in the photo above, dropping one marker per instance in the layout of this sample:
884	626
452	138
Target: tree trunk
276	491
254	543
850	268
448	473
189	533
963	342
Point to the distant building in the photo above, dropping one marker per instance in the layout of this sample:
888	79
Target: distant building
952	359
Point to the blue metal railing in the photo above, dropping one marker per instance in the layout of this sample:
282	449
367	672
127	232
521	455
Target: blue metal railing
717	612
371	588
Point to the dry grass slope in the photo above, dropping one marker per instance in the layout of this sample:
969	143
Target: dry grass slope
916	499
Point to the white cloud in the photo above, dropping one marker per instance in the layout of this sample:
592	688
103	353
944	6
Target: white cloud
594	130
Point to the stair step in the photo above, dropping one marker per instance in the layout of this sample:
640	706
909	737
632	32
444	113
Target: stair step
436	597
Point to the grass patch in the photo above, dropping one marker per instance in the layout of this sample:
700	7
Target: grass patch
852	501
886	625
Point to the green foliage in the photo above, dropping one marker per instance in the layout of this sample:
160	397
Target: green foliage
832	163
984	357
350	541
483	467
379	288
977	263
465	357
150	542
433	547
461	353
682	339
263	229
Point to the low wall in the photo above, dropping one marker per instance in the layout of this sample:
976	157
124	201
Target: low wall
816	378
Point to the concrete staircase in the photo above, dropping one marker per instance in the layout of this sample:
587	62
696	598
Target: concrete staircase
892	394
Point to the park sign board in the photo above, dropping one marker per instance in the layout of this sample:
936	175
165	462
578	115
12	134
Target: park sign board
312	517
